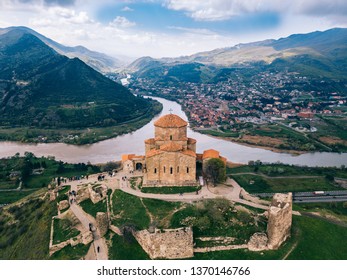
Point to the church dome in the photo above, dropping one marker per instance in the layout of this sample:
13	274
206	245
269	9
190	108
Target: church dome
170	120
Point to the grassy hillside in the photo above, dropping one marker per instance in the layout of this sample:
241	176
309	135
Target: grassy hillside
316	54
40	88
25	230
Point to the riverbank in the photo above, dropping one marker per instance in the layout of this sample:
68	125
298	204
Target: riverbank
246	144
77	136
133	143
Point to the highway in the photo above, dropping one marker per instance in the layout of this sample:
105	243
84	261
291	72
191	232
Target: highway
310	197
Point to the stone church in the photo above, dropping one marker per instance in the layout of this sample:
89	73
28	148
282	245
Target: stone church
170	157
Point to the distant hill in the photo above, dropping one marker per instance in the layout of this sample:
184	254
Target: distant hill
99	61
316	54
42	88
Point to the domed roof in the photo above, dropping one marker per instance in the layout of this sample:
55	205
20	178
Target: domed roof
170	120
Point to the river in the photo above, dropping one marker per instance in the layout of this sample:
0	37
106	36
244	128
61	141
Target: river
112	149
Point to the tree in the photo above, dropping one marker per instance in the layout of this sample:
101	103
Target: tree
215	170
110	166
60	168
329	177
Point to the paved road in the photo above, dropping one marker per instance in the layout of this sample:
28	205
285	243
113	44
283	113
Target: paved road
314	199
310	197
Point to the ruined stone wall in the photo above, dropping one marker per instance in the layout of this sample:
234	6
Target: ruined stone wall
280	220
62	205
84	193
167	244
97	194
128	165
83	238
102	223
159	169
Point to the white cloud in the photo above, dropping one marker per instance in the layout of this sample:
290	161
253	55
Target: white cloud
75	25
216	9
211	10
58	16
121	22
127	9
201	31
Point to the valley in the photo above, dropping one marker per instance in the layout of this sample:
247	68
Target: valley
294	102
47	97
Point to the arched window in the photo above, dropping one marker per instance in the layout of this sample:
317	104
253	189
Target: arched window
155	170
187	169
171	170
178	169
164	169
170	137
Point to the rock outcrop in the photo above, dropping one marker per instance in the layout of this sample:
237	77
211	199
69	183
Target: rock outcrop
258	242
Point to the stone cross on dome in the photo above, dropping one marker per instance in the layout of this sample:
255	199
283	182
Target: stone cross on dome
170	111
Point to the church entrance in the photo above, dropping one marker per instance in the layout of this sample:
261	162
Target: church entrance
139	166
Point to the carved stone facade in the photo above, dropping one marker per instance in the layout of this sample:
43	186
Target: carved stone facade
167	244
170	156
280	220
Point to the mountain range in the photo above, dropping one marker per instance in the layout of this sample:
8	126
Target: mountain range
99	61
317	54
40	87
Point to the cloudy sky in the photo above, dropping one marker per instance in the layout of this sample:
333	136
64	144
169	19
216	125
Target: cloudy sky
161	28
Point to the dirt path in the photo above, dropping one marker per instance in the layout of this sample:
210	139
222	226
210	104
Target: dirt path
231	193
290	251
86	219
151	217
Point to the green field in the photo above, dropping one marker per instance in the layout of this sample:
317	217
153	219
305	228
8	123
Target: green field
126	248
259	184
128	209
161	210
335	210
312	239
63	230
23	167
71	253
290	139
91	208
216	217
219	133
170	190
275	170
13	196
28	238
